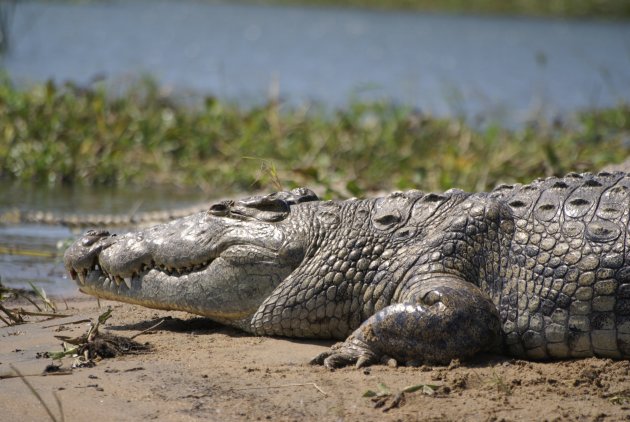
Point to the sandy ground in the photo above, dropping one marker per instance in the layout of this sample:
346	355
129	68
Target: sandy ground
199	370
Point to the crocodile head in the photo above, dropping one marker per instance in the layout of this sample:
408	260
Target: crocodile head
221	263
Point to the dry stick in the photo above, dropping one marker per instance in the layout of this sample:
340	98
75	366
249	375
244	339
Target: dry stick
284	386
148	329
35	393
42	296
18	293
22	311
6	375
10	315
59	406
30	300
8	323
81	321
46	314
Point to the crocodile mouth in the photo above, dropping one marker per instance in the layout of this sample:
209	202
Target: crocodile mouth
199	264
226	287
97	275
160	287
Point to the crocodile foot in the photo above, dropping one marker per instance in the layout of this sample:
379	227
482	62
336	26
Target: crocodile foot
444	318
350	352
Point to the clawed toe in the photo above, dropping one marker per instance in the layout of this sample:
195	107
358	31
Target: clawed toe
319	359
344	354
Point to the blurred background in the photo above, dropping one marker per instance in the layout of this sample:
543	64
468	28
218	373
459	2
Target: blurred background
507	68
122	107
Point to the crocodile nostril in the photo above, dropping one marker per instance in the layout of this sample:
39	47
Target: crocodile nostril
221	209
95	232
93	236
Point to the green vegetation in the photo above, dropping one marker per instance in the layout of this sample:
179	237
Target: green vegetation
616	9
66	135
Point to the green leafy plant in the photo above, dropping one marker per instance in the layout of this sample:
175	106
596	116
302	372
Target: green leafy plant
68	135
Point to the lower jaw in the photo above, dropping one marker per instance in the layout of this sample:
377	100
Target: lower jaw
97	285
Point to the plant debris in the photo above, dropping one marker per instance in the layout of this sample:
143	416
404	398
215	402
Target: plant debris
42	295
14	316
381	397
53	369
95	345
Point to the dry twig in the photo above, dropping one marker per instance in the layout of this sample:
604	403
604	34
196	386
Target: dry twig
285	386
39	398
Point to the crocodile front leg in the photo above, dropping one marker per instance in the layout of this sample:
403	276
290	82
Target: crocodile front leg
439	319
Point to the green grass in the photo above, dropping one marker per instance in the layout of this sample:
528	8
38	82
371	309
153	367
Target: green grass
65	135
615	9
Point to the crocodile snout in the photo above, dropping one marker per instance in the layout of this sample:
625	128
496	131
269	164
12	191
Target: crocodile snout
83	254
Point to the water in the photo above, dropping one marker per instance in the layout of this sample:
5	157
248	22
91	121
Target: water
508	68
33	253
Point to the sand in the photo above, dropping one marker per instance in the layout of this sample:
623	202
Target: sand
200	370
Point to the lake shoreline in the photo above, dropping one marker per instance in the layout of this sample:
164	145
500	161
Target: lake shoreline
564	9
198	369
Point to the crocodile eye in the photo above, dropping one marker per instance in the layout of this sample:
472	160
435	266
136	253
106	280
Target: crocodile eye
386	220
272	204
269	203
264	208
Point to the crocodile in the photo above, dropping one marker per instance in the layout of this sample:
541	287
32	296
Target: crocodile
136	218
76	221
538	271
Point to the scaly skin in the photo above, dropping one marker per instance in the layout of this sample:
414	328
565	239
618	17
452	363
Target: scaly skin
538	271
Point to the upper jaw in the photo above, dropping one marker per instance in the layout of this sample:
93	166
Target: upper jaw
174	249
101	258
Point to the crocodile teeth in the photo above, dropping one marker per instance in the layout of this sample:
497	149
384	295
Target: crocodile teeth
127	281
117	280
82	275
